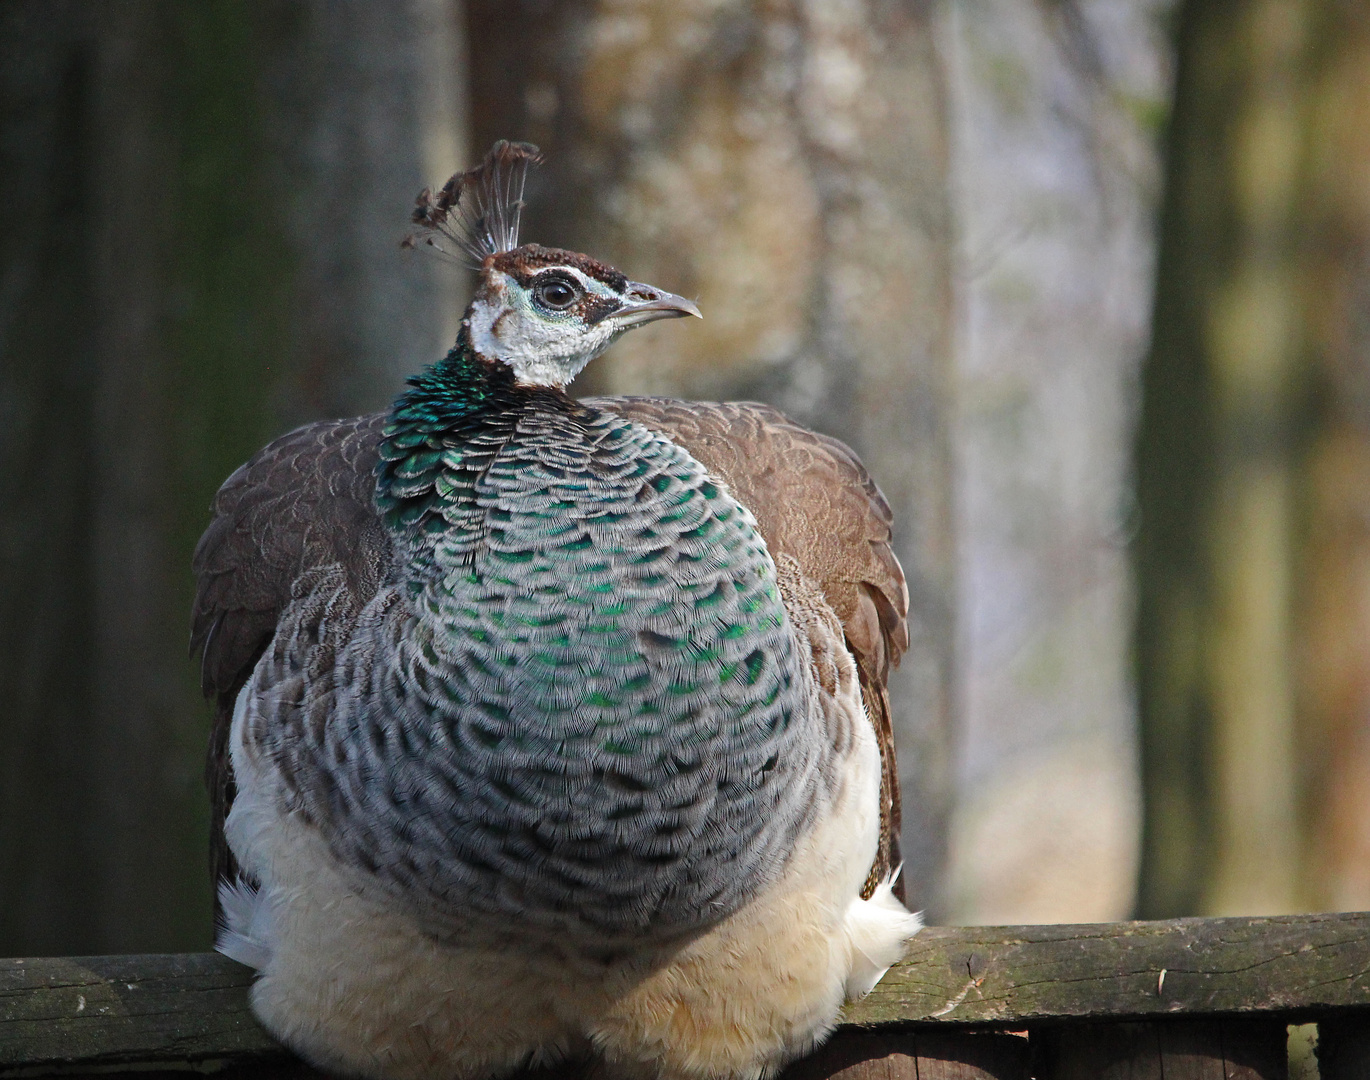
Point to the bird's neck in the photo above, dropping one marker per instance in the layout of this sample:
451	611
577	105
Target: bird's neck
460	386
439	430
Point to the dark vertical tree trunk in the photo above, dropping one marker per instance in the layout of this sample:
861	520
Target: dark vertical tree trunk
1332	615
46	467
193	281
785	163
204	253
1223	406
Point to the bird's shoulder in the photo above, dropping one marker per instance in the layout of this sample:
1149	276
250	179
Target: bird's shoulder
307	499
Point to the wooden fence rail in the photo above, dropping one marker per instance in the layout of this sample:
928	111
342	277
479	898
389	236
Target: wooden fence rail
1189	998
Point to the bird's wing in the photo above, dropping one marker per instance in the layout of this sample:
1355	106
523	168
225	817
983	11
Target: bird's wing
302	504
815	502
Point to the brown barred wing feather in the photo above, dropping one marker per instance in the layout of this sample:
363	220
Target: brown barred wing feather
301	505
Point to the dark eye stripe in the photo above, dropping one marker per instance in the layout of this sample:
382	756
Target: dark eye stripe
594	309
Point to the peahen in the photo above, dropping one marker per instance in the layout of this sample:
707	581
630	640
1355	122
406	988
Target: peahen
551	729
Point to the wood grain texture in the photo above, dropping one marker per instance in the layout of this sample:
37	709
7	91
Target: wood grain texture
1226	1049
187	1009
1020	975
191	1010
1102	1052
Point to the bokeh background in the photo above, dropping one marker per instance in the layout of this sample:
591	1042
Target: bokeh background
1086	282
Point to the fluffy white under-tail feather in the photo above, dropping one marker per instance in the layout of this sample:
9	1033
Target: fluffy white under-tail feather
244	933
878	930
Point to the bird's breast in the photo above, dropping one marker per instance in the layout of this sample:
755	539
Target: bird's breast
593	714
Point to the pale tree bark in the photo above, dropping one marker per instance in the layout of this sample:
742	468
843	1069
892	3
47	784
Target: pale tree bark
227	185
364	107
785	163
1056	159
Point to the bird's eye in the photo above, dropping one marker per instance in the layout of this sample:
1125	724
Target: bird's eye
557	294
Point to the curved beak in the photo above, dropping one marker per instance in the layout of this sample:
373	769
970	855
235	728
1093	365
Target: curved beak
646	303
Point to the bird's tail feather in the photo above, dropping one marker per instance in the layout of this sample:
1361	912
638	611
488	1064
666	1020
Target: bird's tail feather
878	929
244	930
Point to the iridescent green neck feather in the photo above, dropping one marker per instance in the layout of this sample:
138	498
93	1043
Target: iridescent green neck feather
442	433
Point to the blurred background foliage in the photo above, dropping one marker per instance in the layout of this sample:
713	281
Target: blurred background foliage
1086	282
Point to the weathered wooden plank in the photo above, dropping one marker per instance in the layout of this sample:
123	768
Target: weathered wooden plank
159	1010
1180	967
192	1009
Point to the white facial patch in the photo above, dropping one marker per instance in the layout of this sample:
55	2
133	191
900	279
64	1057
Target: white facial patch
543	348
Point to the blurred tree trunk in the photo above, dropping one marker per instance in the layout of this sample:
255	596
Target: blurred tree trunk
204	254
1221	402
1254	472
784	162
46	488
1333	596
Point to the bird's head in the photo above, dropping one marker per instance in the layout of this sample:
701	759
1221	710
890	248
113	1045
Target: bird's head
547	313
544	312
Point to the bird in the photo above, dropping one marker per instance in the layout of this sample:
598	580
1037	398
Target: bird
551	730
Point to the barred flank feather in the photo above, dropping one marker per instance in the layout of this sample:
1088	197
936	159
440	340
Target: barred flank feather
478	210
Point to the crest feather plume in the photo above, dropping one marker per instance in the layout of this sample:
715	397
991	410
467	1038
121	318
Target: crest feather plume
478	210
